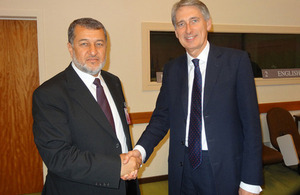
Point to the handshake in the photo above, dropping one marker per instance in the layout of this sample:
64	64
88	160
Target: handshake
131	162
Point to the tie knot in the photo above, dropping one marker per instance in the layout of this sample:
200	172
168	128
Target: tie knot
97	82
196	62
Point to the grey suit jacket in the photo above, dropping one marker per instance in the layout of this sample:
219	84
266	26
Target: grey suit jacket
74	137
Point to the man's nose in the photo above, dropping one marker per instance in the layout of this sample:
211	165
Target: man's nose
188	28
93	50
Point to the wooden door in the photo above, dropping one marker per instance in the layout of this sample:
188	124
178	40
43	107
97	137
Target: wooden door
20	164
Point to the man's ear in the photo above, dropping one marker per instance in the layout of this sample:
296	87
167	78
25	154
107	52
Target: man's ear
176	34
209	24
70	48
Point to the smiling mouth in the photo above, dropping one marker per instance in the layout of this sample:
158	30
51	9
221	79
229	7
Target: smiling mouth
190	37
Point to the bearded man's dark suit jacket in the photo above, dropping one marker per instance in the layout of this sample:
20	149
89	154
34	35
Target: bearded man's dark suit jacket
75	139
231	118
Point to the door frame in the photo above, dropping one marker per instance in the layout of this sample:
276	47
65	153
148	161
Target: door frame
9	14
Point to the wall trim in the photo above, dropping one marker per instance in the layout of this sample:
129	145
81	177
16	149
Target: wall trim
144	117
153	179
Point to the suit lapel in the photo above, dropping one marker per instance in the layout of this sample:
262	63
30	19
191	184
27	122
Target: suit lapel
212	73
85	99
115	89
183	76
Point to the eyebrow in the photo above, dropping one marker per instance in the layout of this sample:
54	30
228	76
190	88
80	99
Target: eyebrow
101	40
192	18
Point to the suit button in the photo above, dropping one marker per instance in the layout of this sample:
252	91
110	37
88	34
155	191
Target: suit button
181	164
182	142
117	145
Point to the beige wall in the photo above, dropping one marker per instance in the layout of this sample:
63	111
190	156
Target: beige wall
123	19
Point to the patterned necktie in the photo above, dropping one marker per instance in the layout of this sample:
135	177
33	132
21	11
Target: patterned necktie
103	103
194	139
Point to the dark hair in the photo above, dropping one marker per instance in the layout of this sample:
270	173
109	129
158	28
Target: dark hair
89	23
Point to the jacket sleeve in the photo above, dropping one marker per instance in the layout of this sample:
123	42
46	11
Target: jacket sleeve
249	115
159	123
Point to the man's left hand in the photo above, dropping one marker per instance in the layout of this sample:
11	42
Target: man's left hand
244	192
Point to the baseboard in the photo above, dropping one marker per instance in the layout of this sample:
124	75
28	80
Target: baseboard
153	179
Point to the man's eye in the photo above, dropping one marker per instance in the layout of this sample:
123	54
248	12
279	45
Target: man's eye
99	44
83	44
180	25
195	20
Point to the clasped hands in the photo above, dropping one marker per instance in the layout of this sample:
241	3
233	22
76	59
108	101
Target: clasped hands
131	163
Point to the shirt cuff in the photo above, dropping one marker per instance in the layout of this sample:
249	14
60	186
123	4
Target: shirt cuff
250	188
142	151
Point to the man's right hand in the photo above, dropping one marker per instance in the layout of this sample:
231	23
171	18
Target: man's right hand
131	163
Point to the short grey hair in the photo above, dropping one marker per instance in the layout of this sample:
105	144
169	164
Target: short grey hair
88	23
200	5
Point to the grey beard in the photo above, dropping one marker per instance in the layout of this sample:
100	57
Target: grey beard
85	69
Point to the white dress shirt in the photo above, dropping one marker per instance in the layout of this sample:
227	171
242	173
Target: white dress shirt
88	81
202	65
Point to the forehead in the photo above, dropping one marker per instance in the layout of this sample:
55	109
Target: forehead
187	12
81	32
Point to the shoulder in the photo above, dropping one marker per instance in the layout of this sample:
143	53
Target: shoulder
176	63
225	51
58	82
108	74
109	77
52	82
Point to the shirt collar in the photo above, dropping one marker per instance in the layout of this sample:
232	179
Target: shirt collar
202	56
85	77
